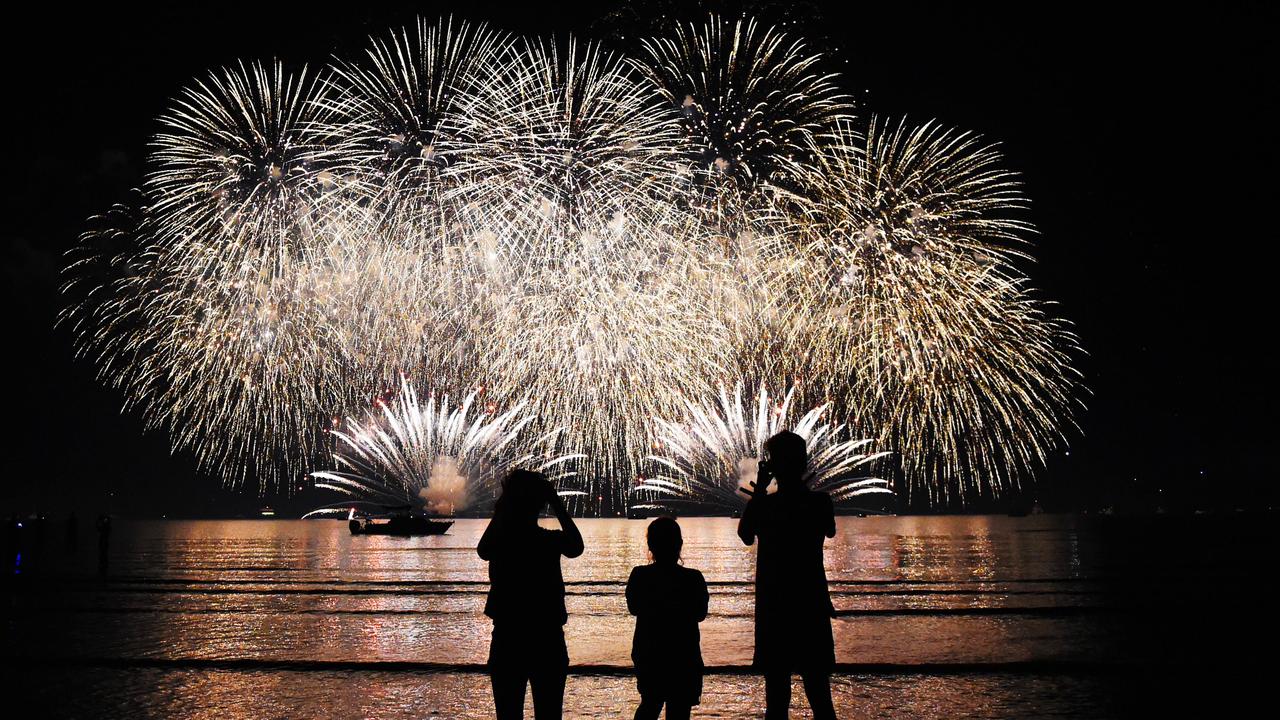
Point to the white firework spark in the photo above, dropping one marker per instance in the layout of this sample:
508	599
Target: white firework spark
752	102
914	315
581	251
239	167
564	152
436	455
608	236
710	455
394	114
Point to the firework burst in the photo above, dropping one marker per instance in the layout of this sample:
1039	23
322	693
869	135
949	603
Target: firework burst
566	153
239	167
605	352
393	115
712	453
606	236
581	253
914	314
752	102
436	455
243	371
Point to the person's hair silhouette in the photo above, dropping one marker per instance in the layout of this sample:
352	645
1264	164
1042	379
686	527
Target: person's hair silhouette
793	605
526	596
668	601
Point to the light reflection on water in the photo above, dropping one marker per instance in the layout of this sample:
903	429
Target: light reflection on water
252	695
931	611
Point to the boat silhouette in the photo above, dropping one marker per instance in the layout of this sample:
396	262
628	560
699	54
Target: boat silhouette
401	521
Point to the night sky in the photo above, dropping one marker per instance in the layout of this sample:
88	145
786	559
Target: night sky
1145	140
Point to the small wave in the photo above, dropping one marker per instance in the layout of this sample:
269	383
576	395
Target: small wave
1040	611
833	582
1036	667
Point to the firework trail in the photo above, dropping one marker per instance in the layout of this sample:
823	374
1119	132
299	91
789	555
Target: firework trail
108	273
262	297
914	313
243	373
592	291
393	115
605	352
713	452
565	152
437	456
752	103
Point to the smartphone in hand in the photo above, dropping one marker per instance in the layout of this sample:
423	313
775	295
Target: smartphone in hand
763	478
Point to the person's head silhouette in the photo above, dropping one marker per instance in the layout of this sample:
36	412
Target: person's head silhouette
524	494
788	459
665	540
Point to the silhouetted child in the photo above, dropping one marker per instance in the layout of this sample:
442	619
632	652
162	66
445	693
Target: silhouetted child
668	601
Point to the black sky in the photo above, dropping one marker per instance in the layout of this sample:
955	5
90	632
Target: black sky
1145	138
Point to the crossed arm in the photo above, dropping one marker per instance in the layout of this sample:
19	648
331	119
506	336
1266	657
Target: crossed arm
747	523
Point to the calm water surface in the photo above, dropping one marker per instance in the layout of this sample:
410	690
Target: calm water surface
938	617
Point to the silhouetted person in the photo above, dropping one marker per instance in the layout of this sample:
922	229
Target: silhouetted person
526	596
668	601
793	605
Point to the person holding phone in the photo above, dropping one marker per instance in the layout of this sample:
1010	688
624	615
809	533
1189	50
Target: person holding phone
526	596
793	604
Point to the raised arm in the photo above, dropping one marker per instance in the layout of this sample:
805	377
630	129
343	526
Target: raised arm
572	536
487	548
747	523
829	512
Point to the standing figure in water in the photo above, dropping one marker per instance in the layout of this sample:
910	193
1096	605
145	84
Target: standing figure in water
793	604
526	597
668	601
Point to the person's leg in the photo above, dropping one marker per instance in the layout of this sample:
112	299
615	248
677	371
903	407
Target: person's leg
650	708
678	711
547	687
777	694
508	694
817	687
